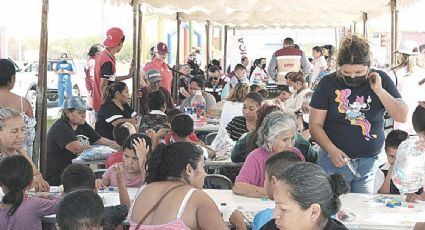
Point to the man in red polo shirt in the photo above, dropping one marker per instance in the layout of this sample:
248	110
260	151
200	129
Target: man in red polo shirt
104	68
158	63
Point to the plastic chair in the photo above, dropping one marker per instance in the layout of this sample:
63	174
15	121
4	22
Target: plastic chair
98	173
217	181
210	137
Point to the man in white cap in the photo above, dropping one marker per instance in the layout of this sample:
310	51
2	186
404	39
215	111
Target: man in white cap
158	63
153	80
104	69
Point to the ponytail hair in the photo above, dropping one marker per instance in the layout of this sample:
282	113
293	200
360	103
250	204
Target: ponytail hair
169	161
308	184
16	175
111	90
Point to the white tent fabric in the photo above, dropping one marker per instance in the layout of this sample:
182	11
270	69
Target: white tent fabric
269	13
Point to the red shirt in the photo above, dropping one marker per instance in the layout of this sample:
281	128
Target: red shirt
115	157
168	137
104	68
166	76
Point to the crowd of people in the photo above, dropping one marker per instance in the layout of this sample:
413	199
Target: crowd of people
318	138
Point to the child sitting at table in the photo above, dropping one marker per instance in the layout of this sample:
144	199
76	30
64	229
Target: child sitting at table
136	148
275	166
17	211
77	177
383	182
182	130
120	132
81	209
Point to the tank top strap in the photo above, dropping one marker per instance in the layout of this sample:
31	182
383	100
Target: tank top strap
135	197
22	105
184	202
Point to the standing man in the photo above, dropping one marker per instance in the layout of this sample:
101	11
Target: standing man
153	79
104	69
158	63
288	59
64	70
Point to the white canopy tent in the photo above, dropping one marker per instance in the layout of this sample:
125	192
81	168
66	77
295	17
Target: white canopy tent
239	14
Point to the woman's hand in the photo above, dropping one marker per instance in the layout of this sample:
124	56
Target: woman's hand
119	173
338	157
40	185
375	82
237	219
99	184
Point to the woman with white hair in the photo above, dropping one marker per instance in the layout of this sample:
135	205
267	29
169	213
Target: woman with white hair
408	75
276	134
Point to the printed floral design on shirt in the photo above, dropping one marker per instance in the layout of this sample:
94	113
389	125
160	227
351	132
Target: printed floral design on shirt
353	111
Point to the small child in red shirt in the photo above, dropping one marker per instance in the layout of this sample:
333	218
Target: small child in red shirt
121	132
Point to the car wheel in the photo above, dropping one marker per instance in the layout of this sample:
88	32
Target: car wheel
32	98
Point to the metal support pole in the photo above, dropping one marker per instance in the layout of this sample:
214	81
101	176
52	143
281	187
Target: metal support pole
41	104
175	89
135	5
393	31
207	28
226	29
365	24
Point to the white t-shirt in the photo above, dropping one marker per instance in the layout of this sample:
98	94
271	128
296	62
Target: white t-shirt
257	75
295	102
317	64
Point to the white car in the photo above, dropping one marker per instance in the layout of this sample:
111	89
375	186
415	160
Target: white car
27	79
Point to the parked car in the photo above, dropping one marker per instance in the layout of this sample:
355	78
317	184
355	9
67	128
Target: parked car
27	79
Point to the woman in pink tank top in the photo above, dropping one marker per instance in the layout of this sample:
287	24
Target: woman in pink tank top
172	198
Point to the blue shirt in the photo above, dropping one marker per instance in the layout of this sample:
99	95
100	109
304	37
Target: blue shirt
261	218
64	65
354	121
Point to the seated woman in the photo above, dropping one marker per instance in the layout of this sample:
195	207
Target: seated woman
69	136
175	177
298	88
12	138
115	110
243	124
306	198
13	101
276	134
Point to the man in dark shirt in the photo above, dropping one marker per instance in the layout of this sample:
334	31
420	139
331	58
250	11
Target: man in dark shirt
153	79
215	83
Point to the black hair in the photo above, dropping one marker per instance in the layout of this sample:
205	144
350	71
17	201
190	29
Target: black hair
16	175
200	81
283	88
354	50
114	88
156	100
418	119
95	49
243	58
215	62
255	96
213	68
264	93
309	184
295	77
77	176
128	144
254	65
277	163
254	87
318	49
7	71
182	125
395	137
64	54
81	209
172	113
120	133
289	41
330	48
169	161
239	67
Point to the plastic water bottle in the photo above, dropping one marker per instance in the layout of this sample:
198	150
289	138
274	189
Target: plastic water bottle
408	174
199	106
225	210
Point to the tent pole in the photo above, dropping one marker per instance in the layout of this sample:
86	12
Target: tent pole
41	103
393	30
139	51
226	28
135	5
365	24
207	27
175	78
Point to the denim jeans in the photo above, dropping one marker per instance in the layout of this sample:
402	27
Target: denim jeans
366	167
64	84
